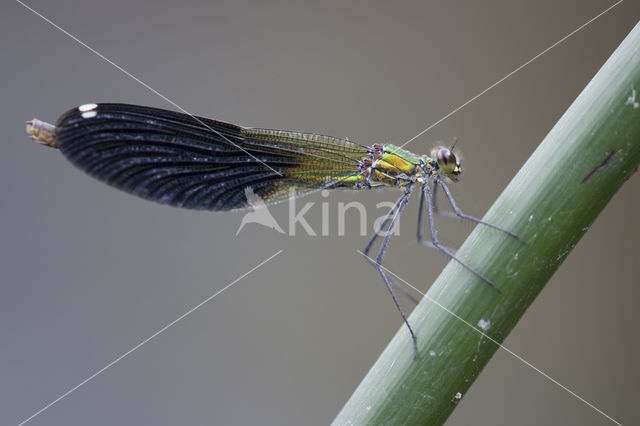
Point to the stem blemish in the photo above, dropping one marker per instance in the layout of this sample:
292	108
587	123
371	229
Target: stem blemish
602	166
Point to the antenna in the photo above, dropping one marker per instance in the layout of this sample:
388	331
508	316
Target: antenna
455	141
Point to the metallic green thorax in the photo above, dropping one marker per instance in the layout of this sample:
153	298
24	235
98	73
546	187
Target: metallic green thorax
389	165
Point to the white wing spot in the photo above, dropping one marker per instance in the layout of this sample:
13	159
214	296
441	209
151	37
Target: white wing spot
89	114
87	107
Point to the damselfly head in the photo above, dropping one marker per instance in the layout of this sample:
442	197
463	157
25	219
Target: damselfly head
448	164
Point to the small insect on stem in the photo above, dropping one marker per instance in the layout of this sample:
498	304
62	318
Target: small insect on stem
200	163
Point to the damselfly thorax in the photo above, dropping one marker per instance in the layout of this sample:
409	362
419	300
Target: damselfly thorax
389	165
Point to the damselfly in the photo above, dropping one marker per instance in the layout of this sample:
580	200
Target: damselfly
199	163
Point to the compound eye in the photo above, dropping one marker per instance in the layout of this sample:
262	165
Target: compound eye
446	160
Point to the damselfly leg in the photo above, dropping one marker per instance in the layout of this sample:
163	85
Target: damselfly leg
434	239
382	225
394	215
421	239
379	231
427	200
461	215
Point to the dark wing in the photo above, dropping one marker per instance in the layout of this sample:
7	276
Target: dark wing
198	163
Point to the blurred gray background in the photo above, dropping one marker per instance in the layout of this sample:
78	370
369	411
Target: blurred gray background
87	272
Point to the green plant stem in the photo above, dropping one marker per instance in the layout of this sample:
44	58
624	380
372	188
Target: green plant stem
550	203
